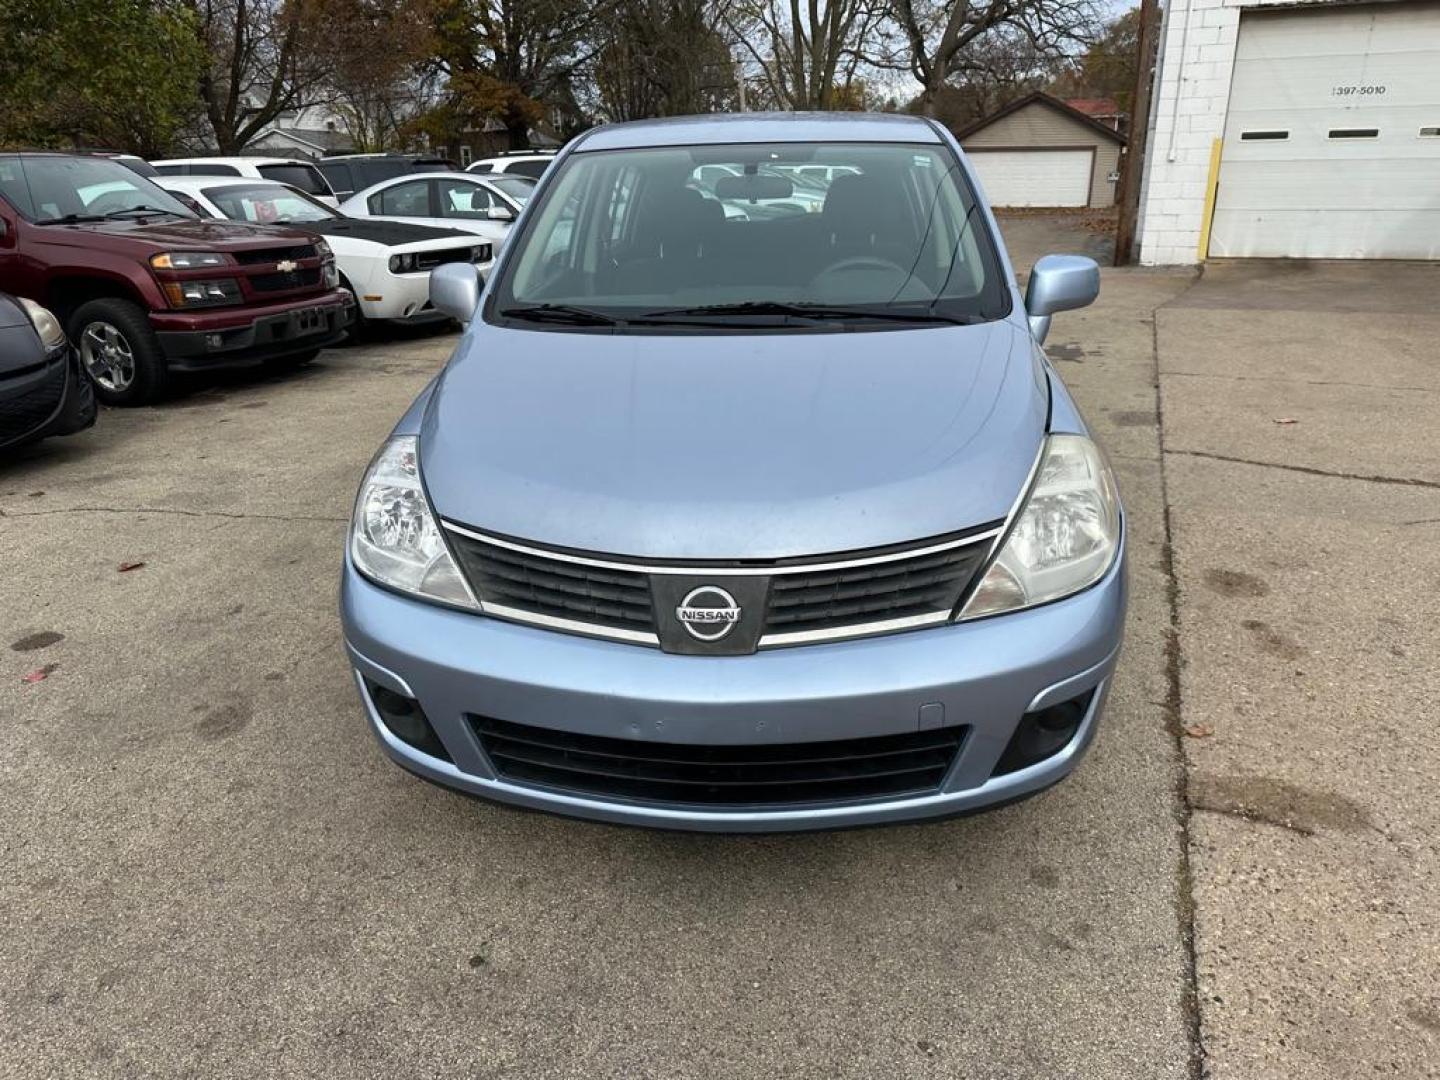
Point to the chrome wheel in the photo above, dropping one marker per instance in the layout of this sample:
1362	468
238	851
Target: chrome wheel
107	356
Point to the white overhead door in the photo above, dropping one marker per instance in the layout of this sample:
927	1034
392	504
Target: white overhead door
1332	140
1034	177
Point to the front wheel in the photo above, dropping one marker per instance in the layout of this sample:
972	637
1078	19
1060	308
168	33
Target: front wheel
119	351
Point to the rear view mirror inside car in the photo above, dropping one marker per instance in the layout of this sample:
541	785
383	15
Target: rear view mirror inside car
752	187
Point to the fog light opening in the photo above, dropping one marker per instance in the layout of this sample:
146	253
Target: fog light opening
1043	733
403	718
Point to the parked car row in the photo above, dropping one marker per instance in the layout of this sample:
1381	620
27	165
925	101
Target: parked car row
149	269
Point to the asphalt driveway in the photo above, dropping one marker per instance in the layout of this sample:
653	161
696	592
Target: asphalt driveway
210	871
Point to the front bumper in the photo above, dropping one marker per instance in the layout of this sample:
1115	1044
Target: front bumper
223	337
986	674
53	398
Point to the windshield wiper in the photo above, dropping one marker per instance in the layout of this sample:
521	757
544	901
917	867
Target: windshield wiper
816	312
71	219
143	211
560	313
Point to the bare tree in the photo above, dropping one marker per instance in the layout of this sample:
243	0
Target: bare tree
666	58
941	39
267	57
376	92
807	49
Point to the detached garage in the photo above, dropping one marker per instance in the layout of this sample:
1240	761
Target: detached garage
1310	130
1038	151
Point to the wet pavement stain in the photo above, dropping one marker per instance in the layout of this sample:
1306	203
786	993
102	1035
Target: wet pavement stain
41	640
1272	641
1270	801
1070	352
1235	583
222	721
1132	418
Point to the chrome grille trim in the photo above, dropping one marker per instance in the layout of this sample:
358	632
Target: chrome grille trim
642	567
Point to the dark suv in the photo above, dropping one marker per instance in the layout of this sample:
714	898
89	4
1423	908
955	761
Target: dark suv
144	288
349	173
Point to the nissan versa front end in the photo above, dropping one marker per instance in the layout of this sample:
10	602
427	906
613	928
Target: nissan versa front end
748	501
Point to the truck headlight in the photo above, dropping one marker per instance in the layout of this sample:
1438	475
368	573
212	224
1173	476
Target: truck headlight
394	538
186	260
1065	536
47	326
330	274
193	294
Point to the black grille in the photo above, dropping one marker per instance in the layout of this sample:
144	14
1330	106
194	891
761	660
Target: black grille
799	601
274	255
845	770
428	260
543	586
21	414
920	585
295	279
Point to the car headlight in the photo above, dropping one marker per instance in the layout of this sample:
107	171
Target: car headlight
481	253
47	326
330	273
323	248
394	538
192	294
186	260
405	263
1065	536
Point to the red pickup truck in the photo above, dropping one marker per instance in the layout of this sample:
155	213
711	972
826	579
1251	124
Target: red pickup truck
145	288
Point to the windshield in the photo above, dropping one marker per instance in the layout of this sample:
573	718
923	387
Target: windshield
48	190
519	188
267	204
888	231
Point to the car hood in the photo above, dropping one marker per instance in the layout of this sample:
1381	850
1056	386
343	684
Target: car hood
389	233
189	234
733	446
11	313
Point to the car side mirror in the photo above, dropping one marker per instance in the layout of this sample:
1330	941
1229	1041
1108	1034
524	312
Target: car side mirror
1059	283
455	289
500	213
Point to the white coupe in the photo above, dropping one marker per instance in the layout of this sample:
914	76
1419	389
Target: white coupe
385	264
484	205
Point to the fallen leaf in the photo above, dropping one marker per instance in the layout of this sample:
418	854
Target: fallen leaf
39	674
126	567
1198	731
1286	420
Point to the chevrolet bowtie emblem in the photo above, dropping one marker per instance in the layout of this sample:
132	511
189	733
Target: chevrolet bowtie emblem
286	266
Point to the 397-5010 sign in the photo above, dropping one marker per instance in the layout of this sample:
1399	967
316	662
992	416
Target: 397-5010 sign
1357	90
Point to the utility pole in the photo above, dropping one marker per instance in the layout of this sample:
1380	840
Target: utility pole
1139	134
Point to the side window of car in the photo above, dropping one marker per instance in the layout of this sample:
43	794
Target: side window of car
461	200
411	199
535	169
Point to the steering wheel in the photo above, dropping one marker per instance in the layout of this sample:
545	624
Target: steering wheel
861	262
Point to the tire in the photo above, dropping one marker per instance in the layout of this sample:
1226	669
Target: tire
359	330
120	353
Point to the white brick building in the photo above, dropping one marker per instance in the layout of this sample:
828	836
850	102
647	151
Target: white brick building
1329	120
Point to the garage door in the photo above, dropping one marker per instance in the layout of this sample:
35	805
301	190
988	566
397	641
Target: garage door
1034	177
1332	140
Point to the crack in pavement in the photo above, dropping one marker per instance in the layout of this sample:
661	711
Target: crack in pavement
1403	481
1172	707
230	514
1301	382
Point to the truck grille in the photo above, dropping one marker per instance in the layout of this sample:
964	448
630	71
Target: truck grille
796	601
294	279
273	255
750	776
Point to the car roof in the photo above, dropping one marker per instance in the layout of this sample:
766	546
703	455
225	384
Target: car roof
236	160
190	184
721	128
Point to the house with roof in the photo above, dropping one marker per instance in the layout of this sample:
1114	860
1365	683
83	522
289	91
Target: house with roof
1041	151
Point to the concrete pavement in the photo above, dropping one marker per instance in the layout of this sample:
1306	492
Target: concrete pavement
210	871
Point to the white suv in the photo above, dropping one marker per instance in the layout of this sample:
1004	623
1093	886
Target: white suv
292	171
532	163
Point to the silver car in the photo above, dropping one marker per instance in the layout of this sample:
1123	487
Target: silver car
743	522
